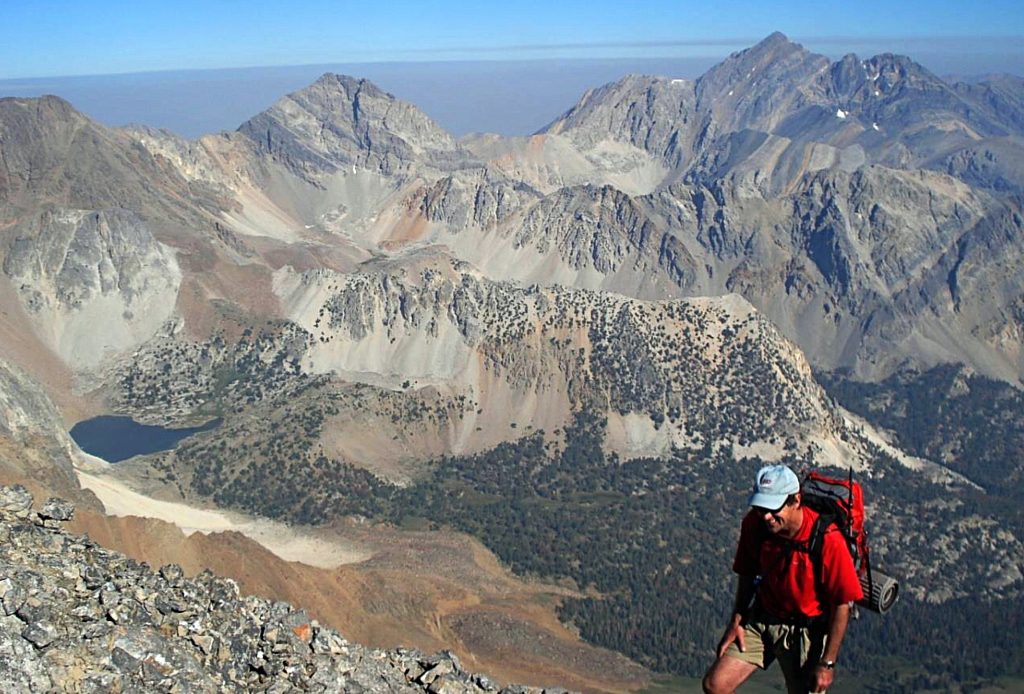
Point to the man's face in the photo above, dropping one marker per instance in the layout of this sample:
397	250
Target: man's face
780	519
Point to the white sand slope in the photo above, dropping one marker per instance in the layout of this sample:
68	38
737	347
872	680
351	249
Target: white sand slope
288	543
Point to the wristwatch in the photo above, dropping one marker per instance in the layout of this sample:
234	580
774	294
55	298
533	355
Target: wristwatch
827	664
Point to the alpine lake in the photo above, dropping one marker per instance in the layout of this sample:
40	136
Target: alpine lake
116	438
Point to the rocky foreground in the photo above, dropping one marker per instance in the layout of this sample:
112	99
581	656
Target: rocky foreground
80	618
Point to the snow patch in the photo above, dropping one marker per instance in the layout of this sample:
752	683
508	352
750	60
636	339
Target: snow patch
840	113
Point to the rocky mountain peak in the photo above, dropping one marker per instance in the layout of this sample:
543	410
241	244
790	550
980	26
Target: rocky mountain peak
752	88
899	66
340	122
35	136
649	113
882	75
772	47
631	93
46	108
776	54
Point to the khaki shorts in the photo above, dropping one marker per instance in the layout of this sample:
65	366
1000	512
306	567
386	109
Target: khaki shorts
798	649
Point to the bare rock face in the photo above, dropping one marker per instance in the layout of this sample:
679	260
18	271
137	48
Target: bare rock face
340	122
24	408
652	113
75	270
77	617
36	137
756	88
55	155
1000	94
34	445
474	200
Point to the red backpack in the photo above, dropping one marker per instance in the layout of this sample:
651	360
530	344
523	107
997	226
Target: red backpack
840	502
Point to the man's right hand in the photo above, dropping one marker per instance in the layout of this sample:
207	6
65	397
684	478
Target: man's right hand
734	632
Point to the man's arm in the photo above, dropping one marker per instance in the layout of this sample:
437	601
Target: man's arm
734	631
838	619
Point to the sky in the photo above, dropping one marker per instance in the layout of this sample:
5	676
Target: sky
507	67
82	37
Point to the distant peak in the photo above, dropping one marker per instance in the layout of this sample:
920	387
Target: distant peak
776	37
334	82
895	60
333	78
635	82
775	47
774	42
901	67
42	109
45	101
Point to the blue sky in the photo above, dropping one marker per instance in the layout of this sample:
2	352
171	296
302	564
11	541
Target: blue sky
89	38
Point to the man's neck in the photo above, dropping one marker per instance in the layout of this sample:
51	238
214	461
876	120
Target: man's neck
792	529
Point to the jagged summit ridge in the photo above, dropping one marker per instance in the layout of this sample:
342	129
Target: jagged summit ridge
889	106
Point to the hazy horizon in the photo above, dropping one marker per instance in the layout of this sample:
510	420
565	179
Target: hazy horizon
507	97
197	67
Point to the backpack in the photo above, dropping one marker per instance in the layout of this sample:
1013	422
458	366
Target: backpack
840	504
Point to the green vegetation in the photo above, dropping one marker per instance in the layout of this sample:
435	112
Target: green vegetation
170	380
649	542
975	426
970	423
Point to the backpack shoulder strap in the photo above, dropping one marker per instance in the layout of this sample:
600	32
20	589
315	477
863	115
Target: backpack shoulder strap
815	548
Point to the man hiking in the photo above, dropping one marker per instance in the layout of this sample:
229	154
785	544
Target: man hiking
791	605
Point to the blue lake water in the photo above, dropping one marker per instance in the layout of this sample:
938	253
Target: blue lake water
118	438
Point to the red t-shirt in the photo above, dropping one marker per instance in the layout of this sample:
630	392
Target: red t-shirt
787	586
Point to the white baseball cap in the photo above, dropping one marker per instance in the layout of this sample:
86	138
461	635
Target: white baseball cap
773	486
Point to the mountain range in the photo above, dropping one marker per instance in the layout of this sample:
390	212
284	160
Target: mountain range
363	298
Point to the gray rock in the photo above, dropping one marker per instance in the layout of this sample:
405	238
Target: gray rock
484	682
172	573
204	642
21	669
15	501
14	597
40	634
442	668
32	610
92	577
57	509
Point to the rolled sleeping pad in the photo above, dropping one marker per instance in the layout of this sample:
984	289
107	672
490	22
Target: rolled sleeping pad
880	591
